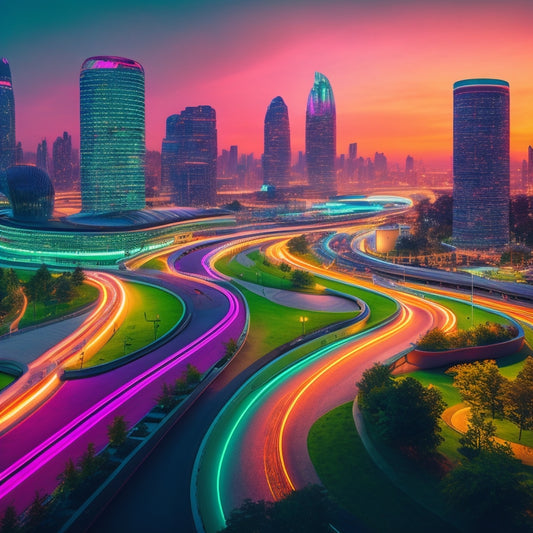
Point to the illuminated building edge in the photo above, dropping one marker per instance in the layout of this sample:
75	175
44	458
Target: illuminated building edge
99	247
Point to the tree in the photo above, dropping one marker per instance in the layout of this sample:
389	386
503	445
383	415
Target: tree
375	377
77	277
10	521
70	477
90	463
166	400
434	340
479	435
518	405
36	513
63	288
480	385
303	511
298	245
411	416
493	489
192	375
301	278
117	432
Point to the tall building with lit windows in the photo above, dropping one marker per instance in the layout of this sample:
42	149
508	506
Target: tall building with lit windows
112	135
481	163
7	117
320	138
277	152
189	156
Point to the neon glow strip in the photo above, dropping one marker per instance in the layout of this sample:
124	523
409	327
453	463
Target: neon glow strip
5	83
22	469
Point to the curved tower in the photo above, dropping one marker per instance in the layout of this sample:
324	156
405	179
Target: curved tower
277	153
320	137
481	163
7	117
112	145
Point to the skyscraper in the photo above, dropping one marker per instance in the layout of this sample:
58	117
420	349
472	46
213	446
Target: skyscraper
62	163
42	155
320	137
529	167
7	117
277	153
189	156
112	144
481	163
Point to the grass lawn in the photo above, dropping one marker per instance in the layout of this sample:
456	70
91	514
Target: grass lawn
282	323
135	332
266	275
156	263
357	484
5	380
463	312
84	295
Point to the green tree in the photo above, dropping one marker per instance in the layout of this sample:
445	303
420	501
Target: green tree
306	510
166	400
69	479
434	340
90	463
410	418
301	279
480	385
10	521
234	206
192	375
373	378
518	405
117	432
63	288
36	513
479	435
77	277
298	245
492	489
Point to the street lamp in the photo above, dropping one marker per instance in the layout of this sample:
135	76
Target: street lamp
303	320
155	321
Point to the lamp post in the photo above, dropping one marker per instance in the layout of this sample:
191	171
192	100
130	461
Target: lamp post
303	320
155	321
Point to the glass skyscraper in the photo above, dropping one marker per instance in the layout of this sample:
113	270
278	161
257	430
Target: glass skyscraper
112	136
7	118
189	156
277	153
481	164
320	137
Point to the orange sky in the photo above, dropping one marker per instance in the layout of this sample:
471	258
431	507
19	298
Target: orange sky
391	65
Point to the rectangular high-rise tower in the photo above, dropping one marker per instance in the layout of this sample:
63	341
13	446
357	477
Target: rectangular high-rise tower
112	136
481	164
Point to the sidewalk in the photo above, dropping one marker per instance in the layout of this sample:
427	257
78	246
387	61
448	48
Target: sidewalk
25	347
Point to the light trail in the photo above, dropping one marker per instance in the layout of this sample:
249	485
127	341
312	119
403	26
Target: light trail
22	469
26	395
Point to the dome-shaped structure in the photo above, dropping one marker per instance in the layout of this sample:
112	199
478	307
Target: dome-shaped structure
31	193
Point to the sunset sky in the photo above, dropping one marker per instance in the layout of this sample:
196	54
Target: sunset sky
391	64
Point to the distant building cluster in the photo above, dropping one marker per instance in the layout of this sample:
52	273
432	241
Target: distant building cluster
115	172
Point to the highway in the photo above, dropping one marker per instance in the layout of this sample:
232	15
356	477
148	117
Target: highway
35	451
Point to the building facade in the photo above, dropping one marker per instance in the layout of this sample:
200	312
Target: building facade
7	118
320	138
62	163
112	135
189	156
277	150
481	178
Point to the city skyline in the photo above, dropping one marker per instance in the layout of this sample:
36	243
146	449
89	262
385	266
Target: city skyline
391	65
